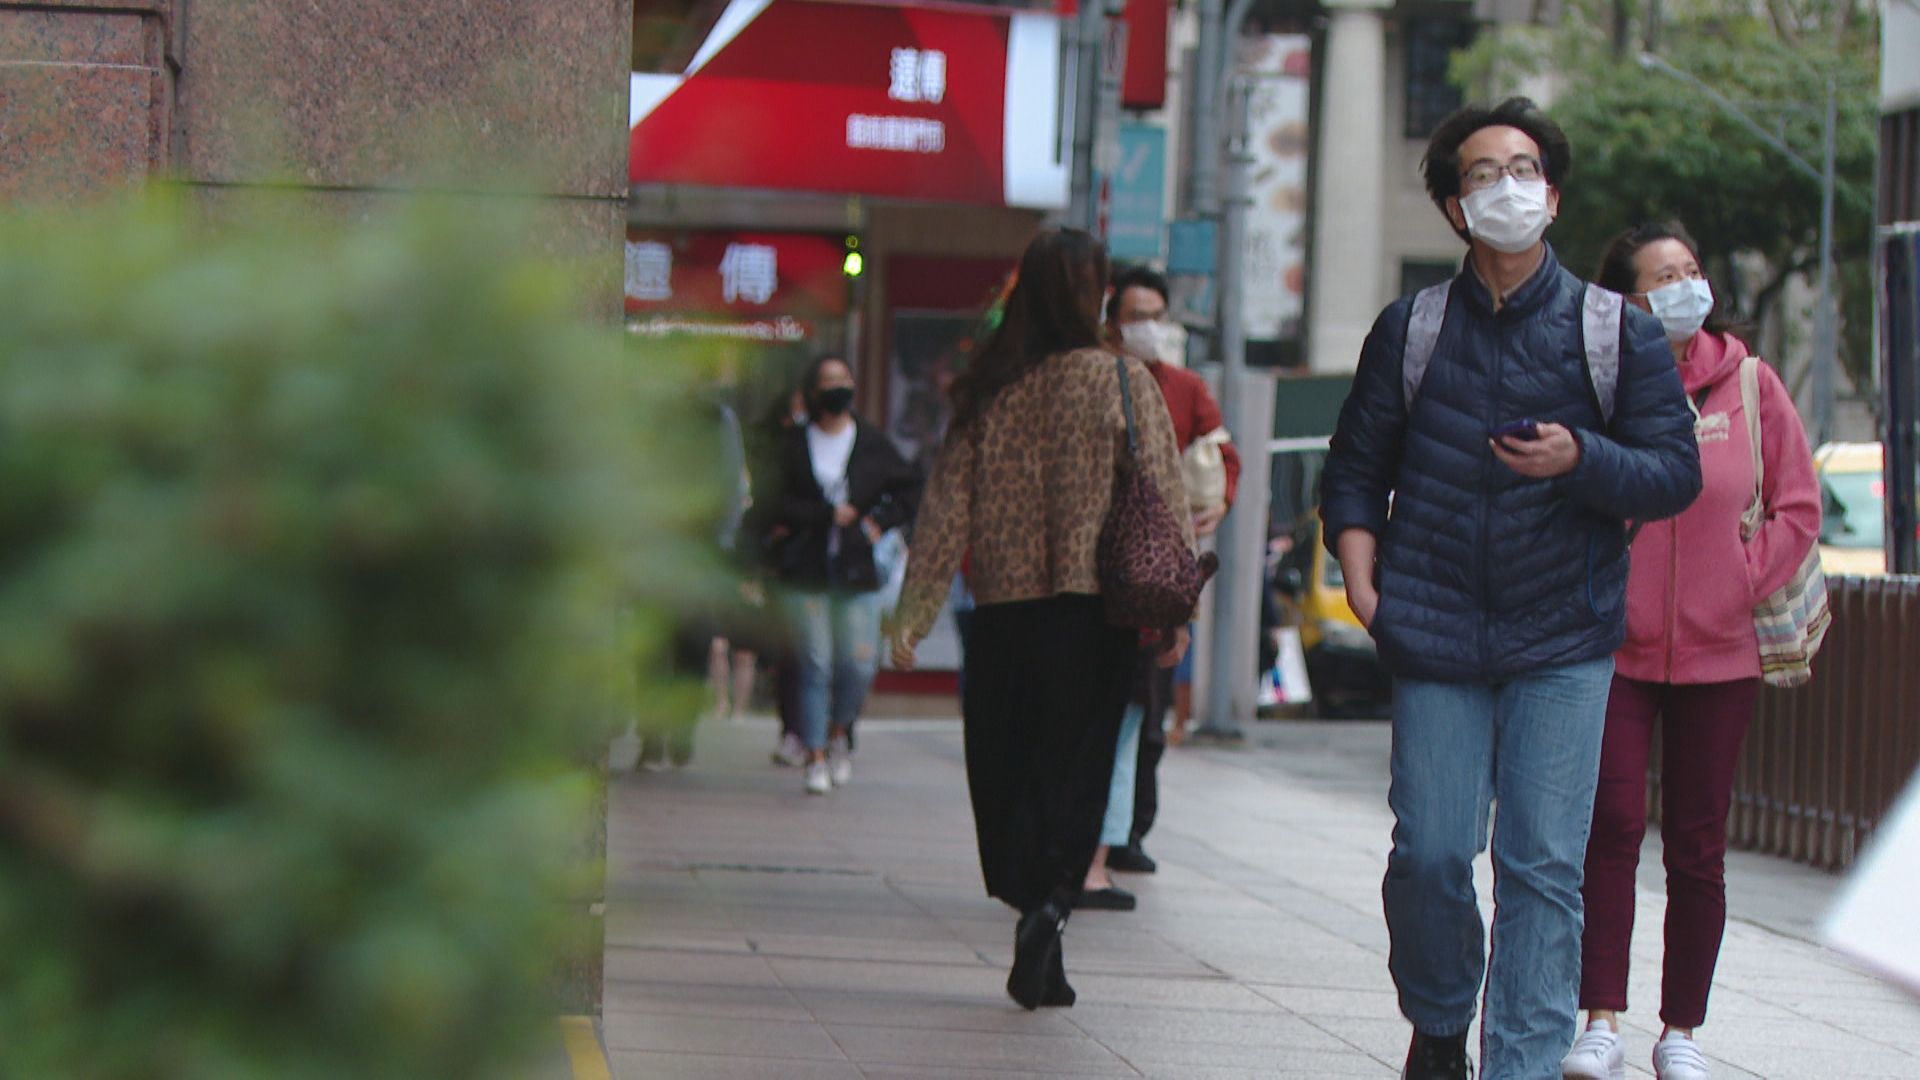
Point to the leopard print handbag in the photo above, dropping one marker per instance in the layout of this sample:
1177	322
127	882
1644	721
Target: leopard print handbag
1149	577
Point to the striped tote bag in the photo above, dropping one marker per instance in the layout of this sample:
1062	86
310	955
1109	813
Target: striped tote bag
1792	622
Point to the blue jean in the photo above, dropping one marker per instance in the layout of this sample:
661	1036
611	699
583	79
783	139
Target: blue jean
1533	746
837	641
1117	829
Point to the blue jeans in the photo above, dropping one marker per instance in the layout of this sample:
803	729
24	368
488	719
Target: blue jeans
1117	829
837	641
1532	745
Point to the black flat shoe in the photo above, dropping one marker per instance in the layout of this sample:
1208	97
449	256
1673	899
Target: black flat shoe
1036	950
1130	860
1059	992
1111	898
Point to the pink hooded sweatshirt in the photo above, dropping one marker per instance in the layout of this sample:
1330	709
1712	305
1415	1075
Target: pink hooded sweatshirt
1693	582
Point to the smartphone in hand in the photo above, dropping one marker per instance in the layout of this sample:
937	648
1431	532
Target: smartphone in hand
1521	430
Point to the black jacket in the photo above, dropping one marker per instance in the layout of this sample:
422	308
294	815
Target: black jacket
1484	574
794	519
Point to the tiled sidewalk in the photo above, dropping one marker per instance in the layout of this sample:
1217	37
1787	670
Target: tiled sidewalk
756	932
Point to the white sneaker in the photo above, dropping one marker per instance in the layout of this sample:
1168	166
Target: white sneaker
818	782
1596	1055
839	761
790	753
1677	1057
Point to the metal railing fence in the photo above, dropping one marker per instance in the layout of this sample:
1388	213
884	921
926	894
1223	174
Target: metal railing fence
1825	761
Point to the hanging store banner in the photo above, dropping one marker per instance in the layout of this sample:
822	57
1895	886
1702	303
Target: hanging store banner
773	287
953	104
1274	278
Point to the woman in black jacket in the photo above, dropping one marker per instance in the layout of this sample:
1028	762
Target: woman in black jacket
838	484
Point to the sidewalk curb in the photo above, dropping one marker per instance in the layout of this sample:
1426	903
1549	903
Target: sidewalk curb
584	1052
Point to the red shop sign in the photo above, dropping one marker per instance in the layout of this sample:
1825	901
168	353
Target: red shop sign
775	285
952	104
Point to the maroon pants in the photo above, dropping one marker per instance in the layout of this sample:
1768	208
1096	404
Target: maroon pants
1701	730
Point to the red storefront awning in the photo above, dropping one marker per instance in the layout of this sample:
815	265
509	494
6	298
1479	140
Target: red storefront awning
955	104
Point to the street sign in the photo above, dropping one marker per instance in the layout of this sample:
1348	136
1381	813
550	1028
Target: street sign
1137	223
1193	247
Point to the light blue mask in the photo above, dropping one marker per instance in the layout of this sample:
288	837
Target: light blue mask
1682	306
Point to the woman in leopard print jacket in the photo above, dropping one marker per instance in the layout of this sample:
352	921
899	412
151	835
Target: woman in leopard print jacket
1021	489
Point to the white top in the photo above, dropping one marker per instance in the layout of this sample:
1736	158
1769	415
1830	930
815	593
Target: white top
830	454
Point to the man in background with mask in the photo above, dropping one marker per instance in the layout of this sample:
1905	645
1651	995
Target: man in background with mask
1139	325
1502	431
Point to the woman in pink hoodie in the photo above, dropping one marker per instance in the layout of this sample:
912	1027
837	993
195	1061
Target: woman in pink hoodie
1691	661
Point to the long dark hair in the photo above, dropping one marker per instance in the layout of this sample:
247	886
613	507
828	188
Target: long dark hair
1618	273
1054	308
810	379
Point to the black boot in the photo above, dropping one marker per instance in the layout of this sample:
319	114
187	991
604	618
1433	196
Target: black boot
1059	991
1036	949
1438	1057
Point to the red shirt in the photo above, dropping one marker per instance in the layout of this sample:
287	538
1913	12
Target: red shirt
1195	413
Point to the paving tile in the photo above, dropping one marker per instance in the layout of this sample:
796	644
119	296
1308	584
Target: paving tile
978	982
868	1045
835	947
631	1065
668	999
716	1035
938	1012
953	1073
1212	993
1146	1052
1112	1024
710	968
1265	1072
1320	1002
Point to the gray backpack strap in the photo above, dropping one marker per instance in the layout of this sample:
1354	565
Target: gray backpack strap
1600	328
1423	332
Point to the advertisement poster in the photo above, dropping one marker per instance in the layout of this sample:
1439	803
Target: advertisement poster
1275	277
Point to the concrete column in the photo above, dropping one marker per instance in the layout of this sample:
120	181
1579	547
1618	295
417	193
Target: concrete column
1350	187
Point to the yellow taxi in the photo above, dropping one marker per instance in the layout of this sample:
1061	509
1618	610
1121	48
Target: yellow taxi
1853	488
1343	666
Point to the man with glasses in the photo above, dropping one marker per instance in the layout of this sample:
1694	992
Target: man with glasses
1502	430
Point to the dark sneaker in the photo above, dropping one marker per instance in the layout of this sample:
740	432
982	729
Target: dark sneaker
1131	859
1438	1057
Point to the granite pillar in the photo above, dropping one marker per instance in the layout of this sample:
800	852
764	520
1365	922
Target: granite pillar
86	96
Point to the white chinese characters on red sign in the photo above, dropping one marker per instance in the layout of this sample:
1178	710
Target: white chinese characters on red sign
918	75
913	75
649	271
749	272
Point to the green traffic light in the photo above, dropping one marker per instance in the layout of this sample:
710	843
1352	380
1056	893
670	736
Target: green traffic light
854	264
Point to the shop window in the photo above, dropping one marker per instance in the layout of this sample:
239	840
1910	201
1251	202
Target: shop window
1430	44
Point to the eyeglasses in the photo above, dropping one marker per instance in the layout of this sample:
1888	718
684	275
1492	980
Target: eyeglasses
1485	174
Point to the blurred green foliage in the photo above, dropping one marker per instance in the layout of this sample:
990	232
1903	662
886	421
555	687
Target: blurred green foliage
320	556
1649	146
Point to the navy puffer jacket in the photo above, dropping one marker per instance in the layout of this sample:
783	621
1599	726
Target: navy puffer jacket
1486	575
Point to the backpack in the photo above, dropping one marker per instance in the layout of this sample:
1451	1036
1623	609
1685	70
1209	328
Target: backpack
1600	321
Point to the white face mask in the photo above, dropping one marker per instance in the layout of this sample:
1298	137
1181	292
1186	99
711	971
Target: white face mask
1156	339
1510	216
1682	306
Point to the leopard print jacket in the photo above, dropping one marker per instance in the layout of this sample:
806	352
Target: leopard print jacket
1026	488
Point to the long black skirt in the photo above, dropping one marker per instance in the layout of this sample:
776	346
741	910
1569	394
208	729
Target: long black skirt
1047	682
